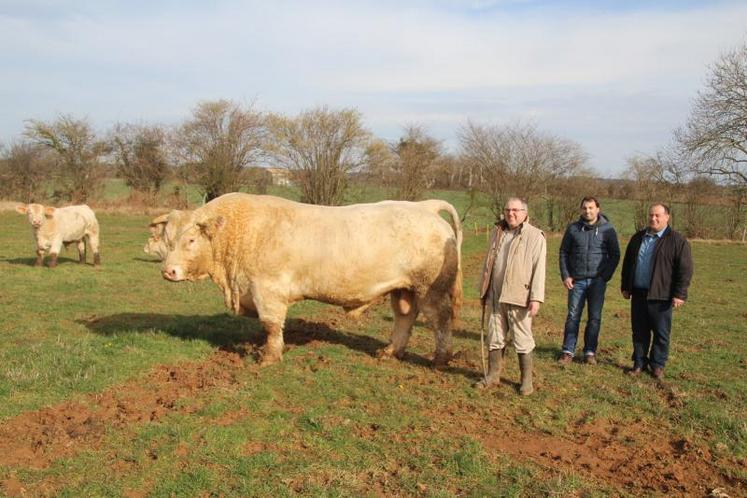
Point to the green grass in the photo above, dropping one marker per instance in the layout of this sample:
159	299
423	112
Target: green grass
331	419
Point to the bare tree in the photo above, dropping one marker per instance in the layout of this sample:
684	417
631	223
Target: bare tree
416	154
518	159
217	145
654	180
715	136
321	147
140	156
379	162
24	169
79	173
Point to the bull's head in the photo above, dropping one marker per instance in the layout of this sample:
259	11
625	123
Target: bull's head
191	256
163	231
37	213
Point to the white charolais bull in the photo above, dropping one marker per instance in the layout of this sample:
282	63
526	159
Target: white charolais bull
53	227
162	230
266	253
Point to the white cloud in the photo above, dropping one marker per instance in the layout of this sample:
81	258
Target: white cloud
598	77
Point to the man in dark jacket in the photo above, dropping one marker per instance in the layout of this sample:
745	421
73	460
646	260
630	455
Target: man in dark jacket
589	254
656	273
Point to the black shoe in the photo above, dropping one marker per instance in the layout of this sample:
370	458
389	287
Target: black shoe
635	371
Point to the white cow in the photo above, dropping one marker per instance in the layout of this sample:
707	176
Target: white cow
266	253
162	230
53	227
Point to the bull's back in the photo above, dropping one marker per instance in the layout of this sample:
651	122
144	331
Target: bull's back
354	252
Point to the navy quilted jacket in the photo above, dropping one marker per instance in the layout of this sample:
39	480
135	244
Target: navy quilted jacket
589	251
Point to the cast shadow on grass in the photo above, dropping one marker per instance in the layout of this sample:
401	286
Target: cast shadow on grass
460	332
552	354
147	260
30	261
244	336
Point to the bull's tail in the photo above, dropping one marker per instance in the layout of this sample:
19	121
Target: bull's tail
457	293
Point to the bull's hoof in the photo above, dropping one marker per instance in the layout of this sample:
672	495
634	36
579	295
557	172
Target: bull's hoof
442	360
388	353
269	359
52	261
96	259
487	383
38	262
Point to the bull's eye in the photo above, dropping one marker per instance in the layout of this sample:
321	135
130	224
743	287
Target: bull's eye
191	241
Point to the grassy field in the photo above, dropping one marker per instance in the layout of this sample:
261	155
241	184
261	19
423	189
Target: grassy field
114	382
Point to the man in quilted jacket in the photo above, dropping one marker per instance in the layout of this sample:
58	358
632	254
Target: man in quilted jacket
589	254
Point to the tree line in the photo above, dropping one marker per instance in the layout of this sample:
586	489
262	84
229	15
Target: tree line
224	146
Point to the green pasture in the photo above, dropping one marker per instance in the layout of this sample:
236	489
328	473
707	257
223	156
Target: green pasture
332	419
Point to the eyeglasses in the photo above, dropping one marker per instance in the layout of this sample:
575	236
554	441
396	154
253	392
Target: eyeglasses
514	210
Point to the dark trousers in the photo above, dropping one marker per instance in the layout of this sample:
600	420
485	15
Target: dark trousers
591	290
650	319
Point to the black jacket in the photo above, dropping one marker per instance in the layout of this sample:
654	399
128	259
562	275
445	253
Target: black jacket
589	251
672	266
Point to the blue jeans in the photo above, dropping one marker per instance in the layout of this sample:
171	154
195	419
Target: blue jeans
591	290
651	322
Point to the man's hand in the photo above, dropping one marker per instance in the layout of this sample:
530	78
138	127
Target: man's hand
568	282
677	302
533	308
626	294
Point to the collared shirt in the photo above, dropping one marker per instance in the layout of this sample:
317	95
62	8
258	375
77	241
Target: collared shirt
644	263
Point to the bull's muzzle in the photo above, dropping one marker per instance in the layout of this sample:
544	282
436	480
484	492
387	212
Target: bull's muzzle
172	273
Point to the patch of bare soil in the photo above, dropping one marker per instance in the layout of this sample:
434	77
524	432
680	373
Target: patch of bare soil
634	457
36	439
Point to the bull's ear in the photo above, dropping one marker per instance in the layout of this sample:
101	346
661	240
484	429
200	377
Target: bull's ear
49	211
211	226
22	208
161	219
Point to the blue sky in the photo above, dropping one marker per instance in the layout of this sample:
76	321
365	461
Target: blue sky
617	77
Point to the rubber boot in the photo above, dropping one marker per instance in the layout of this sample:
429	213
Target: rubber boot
495	363
525	365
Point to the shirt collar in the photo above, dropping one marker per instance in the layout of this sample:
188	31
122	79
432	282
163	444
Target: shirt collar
658	234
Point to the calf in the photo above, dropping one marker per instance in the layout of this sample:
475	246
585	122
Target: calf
53	227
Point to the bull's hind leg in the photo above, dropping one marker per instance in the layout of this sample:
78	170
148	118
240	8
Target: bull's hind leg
93	244
81	251
437	310
405	312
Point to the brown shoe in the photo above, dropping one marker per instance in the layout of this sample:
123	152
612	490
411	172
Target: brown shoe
565	359
657	372
635	371
590	359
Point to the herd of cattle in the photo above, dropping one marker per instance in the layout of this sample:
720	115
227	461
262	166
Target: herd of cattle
266	253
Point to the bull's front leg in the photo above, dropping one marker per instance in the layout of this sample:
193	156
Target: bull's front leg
271	312
39	257
54	250
273	348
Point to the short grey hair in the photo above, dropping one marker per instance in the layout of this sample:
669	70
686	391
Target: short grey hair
517	199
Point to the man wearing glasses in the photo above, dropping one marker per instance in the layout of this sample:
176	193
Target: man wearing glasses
512	288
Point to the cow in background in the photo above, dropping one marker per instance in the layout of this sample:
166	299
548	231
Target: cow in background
53	227
163	229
